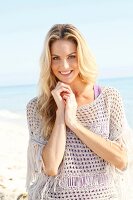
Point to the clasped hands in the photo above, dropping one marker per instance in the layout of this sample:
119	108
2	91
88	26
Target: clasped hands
66	102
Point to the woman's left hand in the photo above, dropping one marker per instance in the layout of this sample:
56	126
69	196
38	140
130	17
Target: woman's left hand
70	108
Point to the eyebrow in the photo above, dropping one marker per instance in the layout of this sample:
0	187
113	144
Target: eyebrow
67	55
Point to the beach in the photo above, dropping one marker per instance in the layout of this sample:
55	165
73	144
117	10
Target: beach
14	136
13	147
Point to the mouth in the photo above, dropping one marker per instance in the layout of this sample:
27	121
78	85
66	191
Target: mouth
66	73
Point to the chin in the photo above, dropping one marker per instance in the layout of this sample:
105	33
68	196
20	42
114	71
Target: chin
66	81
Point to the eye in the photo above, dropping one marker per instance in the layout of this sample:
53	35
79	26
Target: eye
55	58
72	56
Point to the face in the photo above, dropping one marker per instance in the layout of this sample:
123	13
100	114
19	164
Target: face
64	62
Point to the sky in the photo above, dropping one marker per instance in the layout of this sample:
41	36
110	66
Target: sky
106	25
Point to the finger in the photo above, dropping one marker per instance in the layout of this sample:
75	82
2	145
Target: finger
60	88
65	96
61	91
60	84
65	85
67	101
65	93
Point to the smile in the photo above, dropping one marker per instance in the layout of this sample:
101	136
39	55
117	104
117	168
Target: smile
66	72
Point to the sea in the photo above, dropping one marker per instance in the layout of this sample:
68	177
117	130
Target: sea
13	99
14	132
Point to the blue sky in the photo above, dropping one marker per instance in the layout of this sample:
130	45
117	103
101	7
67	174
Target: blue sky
107	26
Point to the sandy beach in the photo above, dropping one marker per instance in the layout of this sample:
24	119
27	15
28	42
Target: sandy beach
13	147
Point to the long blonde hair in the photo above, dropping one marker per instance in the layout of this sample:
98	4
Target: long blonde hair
47	81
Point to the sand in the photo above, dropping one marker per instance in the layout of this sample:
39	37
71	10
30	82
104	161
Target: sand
13	148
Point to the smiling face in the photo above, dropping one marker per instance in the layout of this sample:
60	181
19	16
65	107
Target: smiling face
64	61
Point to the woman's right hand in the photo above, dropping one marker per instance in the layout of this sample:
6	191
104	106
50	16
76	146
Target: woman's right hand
58	93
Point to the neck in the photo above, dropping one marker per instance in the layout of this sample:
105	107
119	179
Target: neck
79	88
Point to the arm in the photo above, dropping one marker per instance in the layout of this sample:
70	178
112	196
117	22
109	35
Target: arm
110	151
54	150
36	143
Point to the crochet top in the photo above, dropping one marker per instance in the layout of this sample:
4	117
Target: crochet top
82	173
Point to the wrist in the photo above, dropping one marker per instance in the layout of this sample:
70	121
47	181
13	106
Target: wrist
73	125
60	116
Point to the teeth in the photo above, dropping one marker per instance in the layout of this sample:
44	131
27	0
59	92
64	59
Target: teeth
68	72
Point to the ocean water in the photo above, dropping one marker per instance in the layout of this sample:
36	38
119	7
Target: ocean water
13	99
14	131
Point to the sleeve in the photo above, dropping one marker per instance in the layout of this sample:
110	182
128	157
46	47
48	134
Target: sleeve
118	122
121	133
35	164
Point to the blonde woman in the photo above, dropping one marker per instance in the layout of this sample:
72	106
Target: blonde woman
77	147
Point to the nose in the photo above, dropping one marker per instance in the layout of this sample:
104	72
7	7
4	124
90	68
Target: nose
65	64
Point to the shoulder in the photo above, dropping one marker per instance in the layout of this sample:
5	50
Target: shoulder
33	116
32	108
32	102
113	98
111	92
34	120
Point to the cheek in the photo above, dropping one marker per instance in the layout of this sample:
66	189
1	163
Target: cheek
75	66
54	68
55	65
74	63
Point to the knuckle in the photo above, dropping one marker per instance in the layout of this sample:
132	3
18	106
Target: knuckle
52	92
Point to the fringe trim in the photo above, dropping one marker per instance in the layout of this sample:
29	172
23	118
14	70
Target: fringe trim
85	180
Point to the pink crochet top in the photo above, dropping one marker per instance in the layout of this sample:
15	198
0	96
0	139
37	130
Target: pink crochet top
82	174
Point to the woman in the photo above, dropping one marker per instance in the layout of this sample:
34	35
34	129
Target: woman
77	146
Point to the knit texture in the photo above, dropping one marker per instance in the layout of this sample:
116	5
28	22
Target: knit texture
82	174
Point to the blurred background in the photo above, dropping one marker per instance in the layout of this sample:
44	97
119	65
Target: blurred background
108	29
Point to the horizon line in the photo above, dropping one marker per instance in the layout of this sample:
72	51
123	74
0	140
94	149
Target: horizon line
35	84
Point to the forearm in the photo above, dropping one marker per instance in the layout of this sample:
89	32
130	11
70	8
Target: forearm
110	151
53	152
